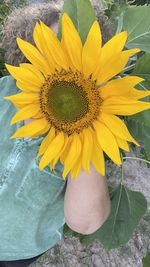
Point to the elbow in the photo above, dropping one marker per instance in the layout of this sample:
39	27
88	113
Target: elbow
84	229
87	226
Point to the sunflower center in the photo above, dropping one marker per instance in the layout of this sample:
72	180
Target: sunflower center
69	101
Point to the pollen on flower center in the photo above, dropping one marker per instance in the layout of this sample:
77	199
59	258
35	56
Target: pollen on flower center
69	101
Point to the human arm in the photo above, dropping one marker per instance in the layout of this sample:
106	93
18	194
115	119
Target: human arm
86	203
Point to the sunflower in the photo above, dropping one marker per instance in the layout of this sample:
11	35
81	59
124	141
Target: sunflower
69	91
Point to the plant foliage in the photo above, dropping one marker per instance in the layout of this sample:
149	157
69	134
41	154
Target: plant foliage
136	22
82	20
146	261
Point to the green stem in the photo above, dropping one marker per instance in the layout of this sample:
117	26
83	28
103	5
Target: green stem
122	171
129	68
134	158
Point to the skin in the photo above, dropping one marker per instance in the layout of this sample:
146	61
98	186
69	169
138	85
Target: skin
87	203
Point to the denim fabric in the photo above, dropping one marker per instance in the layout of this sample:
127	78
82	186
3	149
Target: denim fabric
31	201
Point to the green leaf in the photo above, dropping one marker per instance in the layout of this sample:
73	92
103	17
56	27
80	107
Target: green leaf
115	12
147	146
137	24
128	207
68	232
82	15
146	260
142	69
141	134
143	118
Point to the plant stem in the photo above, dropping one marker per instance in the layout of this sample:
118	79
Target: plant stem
128	68
122	171
134	158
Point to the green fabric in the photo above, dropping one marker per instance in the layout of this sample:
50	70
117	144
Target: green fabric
31	201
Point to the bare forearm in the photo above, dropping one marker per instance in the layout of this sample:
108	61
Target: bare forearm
87	203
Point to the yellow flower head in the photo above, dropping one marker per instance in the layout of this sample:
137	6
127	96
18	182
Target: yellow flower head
69	92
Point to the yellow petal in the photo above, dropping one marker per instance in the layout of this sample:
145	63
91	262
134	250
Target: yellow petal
78	164
27	87
71	42
32	128
31	68
38	115
56	52
119	87
22	99
138	94
117	127
46	141
52	151
27	76
54	161
67	56
43	45
114	66
34	56
38	37
124	87
112	48
122	144
92	49
97	158
65	152
87	148
76	168
107	142
26	112
40	132
123	106
73	154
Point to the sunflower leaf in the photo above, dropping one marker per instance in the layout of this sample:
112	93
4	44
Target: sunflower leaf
82	14
68	232
146	260
137	23
142	69
128	207
141	134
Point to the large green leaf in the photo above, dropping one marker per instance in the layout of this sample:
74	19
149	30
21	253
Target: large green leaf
141	134
139	124
142	69
128	207
142	66
82	15
137	23
68	232
146	261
